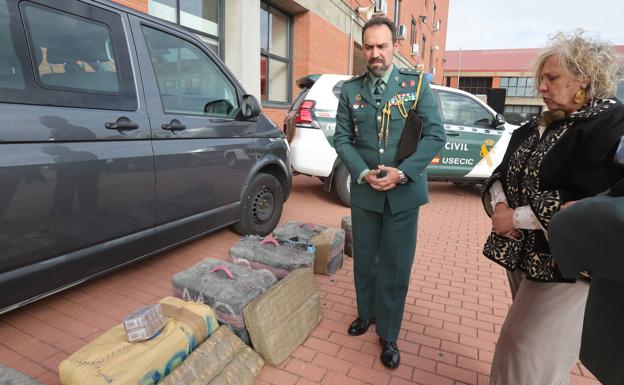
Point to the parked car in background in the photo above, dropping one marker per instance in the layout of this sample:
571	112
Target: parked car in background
122	136
477	136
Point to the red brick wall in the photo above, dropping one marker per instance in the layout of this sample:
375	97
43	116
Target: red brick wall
276	115
140	5
318	48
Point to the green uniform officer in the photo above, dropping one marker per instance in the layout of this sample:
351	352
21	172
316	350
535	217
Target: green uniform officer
385	193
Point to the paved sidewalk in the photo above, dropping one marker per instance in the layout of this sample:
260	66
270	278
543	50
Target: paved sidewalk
456	304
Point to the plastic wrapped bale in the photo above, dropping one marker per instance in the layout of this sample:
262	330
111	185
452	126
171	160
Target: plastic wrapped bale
222	359
295	230
9	376
110	358
266	253
199	316
281	319
346	225
328	242
226	287
329	250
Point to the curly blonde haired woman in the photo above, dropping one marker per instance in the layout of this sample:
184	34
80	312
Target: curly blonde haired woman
550	163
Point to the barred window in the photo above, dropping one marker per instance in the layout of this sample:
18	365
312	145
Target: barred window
521	114
475	85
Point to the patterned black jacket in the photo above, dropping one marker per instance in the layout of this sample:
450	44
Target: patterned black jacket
572	160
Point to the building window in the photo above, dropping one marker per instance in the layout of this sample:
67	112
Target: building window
397	12
413	33
475	85
275	55
199	16
523	87
521	114
431	69
422	49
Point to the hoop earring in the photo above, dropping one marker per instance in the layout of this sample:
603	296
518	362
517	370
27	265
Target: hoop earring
580	96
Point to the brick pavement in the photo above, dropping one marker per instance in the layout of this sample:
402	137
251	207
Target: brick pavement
456	304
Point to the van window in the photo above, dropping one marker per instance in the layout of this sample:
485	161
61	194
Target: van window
460	110
71	52
188	80
11	75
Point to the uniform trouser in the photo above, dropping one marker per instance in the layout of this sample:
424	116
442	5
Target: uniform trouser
541	337
384	246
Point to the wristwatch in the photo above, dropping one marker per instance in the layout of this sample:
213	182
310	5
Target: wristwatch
402	177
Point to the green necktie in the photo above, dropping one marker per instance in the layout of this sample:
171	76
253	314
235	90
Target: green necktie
378	90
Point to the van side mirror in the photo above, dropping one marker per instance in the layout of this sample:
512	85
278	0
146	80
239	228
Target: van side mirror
250	107
499	121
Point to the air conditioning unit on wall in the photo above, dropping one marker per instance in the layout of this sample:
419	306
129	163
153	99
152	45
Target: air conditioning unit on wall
381	6
436	25
415	49
401	31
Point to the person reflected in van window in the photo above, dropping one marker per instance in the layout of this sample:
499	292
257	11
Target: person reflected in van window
551	162
386	189
77	172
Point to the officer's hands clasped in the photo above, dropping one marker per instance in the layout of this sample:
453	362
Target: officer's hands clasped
383	178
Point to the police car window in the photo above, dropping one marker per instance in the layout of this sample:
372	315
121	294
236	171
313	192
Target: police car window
188	80
71	52
338	88
11	74
460	110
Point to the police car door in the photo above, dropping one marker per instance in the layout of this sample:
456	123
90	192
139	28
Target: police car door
471	135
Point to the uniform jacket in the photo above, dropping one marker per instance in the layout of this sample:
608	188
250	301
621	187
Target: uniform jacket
357	143
587	236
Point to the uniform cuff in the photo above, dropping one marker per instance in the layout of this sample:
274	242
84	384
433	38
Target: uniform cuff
360	178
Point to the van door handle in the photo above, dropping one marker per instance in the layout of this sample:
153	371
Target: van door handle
174	125
122	123
452	134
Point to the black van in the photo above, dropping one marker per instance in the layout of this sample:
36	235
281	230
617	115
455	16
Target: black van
122	135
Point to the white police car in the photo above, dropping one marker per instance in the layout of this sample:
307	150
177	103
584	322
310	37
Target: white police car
476	135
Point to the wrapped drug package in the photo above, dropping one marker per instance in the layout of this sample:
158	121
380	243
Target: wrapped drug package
226	287
281	319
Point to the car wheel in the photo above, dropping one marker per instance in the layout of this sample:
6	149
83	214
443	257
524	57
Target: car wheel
342	183
261	206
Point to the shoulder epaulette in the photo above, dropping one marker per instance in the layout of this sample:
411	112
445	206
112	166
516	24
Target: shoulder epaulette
356	77
409	71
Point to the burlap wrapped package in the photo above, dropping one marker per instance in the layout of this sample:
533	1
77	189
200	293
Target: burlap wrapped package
9	376
328	242
281	319
226	287
346	225
329	250
223	359
110	359
266	253
297	229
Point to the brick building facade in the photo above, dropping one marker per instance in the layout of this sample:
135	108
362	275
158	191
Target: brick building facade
301	37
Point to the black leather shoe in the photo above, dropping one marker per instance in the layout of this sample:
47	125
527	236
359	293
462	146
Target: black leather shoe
359	326
390	355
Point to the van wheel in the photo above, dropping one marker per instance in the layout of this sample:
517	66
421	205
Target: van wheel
261	206
342	183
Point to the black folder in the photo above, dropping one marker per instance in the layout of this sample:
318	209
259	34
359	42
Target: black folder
412	132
